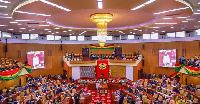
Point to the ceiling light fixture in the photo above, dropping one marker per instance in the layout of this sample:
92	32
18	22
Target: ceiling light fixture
3	1
4	17
28	21
55	5
101	19
184	21
3	14
11	29
142	5
69	30
43	25
22	28
13	22
165	23
172	10
2	6
196	13
3	25
47	15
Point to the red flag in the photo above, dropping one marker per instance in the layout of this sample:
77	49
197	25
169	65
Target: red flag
102	68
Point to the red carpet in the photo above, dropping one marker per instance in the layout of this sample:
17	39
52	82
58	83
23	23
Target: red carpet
104	98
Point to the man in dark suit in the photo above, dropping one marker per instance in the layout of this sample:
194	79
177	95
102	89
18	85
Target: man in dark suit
72	55
121	99
76	98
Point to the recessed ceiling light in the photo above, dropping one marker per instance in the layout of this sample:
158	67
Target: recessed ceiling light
184	21
56	28
183	17
3	25
43	25
167	18
3	1
139	30
162	31
142	5
33	13
5	17
3	14
49	31
29	30
172	10
2	6
171	27
70	34
64	31
33	29
135	29
52	33
22	28
10	29
19	24
196	13
155	27
165	23
131	32
28	21
13	22
57	32
69	30
55	5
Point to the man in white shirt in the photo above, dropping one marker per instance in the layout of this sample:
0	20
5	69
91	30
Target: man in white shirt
166	60
35	61
97	86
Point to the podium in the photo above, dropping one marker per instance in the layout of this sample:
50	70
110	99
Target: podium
103	89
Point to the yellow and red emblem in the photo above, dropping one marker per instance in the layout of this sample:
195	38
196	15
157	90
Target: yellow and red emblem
102	66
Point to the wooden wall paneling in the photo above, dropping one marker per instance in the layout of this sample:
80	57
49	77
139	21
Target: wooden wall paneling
118	71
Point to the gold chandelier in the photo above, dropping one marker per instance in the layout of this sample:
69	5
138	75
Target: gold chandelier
101	19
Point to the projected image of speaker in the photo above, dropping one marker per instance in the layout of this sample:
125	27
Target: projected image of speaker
36	59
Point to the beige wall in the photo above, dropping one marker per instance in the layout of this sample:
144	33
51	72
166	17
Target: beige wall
53	63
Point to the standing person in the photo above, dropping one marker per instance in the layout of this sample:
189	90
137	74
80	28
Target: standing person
121	99
76	98
97	86
66	55
35	61
72	55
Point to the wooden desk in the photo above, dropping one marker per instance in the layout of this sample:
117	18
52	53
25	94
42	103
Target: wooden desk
103	88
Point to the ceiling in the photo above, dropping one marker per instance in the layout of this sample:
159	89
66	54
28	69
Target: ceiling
72	17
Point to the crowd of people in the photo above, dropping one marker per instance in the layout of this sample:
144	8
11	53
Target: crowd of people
42	90
8	64
47	89
79	57
193	61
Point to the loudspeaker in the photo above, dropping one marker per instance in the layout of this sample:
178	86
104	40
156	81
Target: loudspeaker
6	48
19	53
152	52
142	46
49	53
61	46
183	51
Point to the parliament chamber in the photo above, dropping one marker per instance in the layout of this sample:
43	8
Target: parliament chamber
99	51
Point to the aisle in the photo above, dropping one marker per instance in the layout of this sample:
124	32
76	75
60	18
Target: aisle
104	98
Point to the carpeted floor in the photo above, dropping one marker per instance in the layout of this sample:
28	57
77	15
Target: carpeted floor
104	98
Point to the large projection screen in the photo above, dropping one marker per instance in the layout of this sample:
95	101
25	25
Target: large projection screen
167	57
